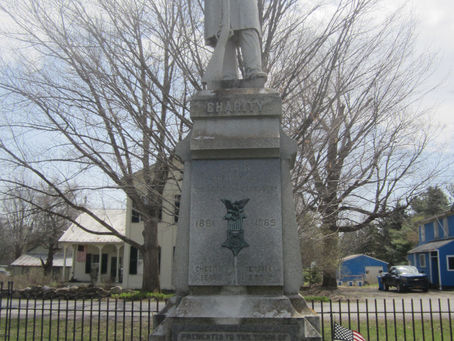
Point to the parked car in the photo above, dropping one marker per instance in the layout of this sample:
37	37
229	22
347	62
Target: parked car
404	277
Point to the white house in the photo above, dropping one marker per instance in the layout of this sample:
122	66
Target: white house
96	257
107	259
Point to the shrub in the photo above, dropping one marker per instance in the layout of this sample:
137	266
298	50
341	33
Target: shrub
312	276
317	298
140	295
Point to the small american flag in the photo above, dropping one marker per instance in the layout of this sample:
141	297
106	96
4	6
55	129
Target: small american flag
344	334
81	254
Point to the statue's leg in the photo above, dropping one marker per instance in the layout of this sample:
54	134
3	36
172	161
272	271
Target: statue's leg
230	67
252	55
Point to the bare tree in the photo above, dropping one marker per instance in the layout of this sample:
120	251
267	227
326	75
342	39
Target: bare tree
97	82
361	143
50	216
6	256
18	223
35	218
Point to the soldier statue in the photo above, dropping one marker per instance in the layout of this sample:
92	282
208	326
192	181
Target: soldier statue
243	31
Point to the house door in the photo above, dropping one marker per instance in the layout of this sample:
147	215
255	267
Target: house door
434	276
113	268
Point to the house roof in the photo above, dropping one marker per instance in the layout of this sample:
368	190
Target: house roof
437	217
115	218
361	255
431	246
34	259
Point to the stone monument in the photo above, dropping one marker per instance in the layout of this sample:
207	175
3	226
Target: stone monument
237	266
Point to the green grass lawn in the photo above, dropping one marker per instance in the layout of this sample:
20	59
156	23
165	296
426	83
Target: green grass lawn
48	329
128	329
382	330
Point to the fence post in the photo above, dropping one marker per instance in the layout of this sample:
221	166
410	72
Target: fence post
1	301
331	318
9	295
450	318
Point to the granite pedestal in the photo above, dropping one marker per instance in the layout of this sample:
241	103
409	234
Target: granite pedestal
237	270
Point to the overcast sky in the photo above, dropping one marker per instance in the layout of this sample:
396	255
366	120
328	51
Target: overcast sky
436	18
434	21
435	25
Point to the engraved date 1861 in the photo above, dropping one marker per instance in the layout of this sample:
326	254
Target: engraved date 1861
204	223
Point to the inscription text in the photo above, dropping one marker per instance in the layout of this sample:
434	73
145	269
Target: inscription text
234	107
204	223
229	336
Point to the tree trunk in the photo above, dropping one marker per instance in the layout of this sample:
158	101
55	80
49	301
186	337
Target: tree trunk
17	251
47	266
150	252
330	260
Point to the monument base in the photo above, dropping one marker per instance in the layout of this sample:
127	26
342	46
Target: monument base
237	317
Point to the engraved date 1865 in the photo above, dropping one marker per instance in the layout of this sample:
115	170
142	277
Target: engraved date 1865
265	222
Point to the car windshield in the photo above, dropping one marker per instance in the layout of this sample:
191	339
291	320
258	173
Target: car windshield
407	270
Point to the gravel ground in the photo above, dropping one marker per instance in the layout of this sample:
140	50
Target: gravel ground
371	292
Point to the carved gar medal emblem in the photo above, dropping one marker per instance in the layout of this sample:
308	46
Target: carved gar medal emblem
235	233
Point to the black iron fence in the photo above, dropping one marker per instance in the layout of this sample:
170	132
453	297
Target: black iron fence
424	319
118	319
72	319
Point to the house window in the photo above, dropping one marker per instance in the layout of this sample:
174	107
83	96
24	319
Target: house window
422	260
104	261
422	230
135	215
88	263
177	207
436	229
445	228
92	262
133	257
450	262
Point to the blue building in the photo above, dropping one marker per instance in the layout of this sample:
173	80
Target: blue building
359	270
434	254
